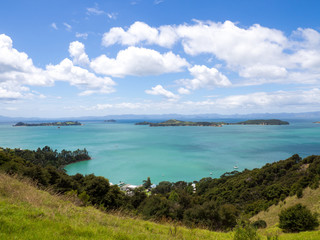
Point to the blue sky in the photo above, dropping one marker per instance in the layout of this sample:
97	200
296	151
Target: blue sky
94	58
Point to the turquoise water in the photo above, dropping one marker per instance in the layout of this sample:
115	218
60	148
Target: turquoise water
130	153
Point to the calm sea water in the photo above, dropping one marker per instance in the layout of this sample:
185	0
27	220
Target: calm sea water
130	153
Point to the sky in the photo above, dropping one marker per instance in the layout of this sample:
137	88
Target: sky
95	58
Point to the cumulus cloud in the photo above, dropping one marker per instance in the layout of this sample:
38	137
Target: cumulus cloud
17	71
164	36
204	77
159	90
17	66
138	62
77	53
257	54
82	78
264	71
183	91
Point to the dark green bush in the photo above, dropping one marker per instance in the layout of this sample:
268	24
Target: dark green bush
297	218
259	224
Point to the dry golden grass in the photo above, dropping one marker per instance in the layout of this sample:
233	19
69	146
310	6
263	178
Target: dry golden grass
311	199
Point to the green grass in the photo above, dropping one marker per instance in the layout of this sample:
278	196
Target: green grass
28	213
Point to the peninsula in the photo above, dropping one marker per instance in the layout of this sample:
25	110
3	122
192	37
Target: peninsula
58	124
174	123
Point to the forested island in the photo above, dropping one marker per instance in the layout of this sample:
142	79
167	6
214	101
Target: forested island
174	122
58	124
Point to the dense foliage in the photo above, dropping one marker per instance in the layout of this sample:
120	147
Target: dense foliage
68	123
297	218
216	204
47	157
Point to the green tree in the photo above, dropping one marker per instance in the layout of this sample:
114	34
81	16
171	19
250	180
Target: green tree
147	183
297	218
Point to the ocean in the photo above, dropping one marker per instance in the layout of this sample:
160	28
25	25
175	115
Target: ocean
129	153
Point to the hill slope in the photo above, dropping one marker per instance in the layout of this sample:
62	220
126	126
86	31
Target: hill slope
29	213
311	199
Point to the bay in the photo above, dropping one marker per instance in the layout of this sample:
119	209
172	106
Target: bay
125	152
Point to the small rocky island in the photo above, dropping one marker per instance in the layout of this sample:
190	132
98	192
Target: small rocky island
57	124
174	122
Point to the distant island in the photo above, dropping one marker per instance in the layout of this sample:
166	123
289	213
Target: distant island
263	122
58	124
110	121
174	122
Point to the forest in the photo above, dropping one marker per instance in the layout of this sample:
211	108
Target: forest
216	204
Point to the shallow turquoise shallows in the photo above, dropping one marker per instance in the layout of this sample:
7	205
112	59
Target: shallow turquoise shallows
130	153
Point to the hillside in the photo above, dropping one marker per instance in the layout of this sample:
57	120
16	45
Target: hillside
310	198
29	213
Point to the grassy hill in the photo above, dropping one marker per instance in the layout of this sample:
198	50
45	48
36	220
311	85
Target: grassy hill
29	213
310	198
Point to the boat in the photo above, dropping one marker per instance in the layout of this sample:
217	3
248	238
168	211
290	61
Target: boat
235	167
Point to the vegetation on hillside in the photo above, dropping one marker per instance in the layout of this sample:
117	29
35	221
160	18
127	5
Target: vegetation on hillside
27	213
216	204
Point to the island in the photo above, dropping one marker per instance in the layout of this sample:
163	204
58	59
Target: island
110	121
57	124
264	122
317	122
174	122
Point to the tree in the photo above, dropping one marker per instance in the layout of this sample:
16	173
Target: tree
147	183
297	218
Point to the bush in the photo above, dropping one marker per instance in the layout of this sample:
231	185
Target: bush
244	231
259	224
297	218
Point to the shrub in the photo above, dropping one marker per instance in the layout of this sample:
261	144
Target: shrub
244	231
297	218
259	224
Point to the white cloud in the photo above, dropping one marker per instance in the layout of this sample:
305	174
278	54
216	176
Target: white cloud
112	15
159	90
235	45
95	11
156	2
54	26
264	71
264	100
138	62
257	54
82	78
82	35
68	26
15	64
183	91
164	36
78	54
204	77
